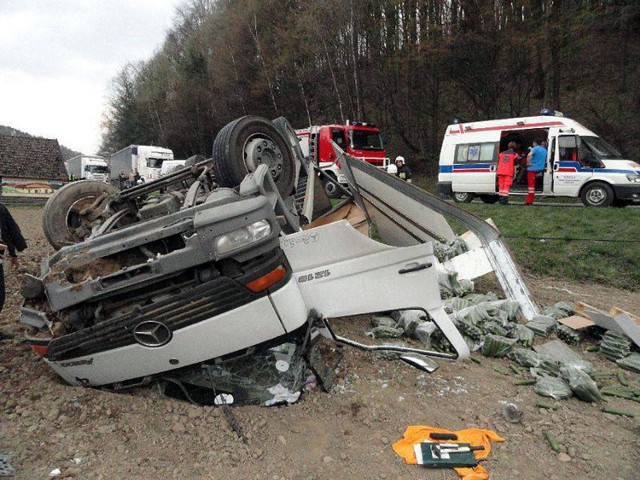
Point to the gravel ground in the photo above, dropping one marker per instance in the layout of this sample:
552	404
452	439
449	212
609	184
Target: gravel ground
347	433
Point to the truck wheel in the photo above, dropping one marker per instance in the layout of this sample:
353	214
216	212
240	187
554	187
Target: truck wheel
61	215
597	194
247	142
463	197
490	199
331	188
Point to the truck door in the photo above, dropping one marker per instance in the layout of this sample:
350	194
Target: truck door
568	173
474	168
326	155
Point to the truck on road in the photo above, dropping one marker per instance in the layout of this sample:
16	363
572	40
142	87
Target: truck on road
360	140
88	167
146	159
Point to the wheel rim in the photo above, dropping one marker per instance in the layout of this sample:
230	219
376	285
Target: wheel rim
262	150
330	188
596	196
75	222
461	196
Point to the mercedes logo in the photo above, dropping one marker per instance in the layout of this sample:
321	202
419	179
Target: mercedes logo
152	334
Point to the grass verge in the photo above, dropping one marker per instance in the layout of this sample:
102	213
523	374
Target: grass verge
599	245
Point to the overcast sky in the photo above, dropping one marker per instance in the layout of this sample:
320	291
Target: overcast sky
58	57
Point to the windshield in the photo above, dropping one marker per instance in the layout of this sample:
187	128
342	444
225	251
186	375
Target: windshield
365	140
600	148
96	169
154	162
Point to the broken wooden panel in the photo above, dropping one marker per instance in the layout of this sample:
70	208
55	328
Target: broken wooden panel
622	322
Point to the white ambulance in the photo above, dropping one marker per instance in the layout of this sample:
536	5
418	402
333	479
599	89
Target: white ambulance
579	163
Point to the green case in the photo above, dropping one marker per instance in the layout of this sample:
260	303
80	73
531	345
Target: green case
427	459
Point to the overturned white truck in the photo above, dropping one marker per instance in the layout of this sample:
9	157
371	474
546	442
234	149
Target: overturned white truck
234	254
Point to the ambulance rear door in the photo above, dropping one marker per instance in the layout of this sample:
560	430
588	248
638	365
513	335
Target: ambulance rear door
474	167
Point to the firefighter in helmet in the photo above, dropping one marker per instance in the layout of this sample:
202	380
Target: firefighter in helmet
404	172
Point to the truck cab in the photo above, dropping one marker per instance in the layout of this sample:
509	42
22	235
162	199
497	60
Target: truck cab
361	140
88	167
579	163
96	170
150	159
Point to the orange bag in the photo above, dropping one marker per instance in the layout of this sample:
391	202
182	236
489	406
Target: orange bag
474	436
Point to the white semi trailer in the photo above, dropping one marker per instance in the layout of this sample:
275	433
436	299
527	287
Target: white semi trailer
146	159
88	167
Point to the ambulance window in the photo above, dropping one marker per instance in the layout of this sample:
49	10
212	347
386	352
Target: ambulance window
568	148
478	152
486	152
474	153
463	151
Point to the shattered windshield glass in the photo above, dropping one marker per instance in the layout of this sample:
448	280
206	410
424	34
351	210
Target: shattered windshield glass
268	377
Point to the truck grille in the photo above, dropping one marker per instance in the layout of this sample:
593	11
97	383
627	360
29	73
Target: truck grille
181	310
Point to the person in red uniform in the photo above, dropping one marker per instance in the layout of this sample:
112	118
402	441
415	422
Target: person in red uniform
505	171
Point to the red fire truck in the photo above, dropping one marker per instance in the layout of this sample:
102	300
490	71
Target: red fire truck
361	140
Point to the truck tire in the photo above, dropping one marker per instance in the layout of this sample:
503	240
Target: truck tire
597	194
490	199
60	214
463	197
247	142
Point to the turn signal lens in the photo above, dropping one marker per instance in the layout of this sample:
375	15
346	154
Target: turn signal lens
264	282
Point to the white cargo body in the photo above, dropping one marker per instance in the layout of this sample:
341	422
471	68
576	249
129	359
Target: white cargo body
88	167
579	163
147	159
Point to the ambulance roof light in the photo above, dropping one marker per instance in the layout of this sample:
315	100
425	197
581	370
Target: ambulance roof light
547	112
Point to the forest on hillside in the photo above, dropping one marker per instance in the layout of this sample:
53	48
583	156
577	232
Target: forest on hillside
409	66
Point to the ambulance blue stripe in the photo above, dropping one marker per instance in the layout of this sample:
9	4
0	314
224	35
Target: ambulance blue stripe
466	166
471	165
580	168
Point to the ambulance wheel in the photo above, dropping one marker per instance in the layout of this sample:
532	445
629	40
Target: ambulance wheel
246	143
597	194
463	197
490	199
331	188
61	220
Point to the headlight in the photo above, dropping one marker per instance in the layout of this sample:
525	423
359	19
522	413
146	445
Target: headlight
633	177
242	237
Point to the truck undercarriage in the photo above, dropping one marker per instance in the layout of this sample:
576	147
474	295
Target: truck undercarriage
233	255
